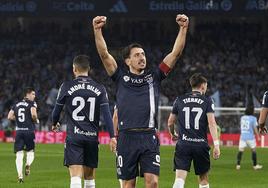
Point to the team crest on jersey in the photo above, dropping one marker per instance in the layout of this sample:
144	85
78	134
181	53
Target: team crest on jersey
126	78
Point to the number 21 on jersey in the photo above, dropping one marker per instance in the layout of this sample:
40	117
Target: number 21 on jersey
80	103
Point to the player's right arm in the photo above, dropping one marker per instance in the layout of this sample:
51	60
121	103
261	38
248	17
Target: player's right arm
106	58
171	126
11	115
58	108
214	133
263	113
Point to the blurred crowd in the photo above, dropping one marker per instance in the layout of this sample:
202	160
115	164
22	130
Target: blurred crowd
232	55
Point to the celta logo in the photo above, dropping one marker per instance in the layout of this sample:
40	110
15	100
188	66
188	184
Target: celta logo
119	7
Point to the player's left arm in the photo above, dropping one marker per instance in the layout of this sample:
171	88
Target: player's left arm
11	115
214	133
34	114
171	126
171	58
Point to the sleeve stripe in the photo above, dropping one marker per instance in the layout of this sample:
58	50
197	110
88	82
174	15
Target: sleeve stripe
59	103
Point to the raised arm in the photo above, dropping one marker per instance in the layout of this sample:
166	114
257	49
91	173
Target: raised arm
213	131
106	58
179	44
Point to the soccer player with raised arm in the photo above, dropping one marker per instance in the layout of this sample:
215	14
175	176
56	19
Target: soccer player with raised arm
263	114
248	126
137	97
83	99
195	114
25	114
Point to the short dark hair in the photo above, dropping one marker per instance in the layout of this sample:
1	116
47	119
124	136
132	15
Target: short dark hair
126	50
82	63
197	79
249	110
27	90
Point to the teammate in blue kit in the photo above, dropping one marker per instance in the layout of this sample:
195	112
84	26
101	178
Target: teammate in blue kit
25	114
83	99
137	96
263	114
248	126
195	114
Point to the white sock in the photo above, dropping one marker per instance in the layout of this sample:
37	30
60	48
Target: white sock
204	186
76	182
89	183
179	183
121	183
30	158
19	163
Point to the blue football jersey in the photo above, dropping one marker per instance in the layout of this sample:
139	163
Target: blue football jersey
22	111
82	98
247	125
191	110
137	98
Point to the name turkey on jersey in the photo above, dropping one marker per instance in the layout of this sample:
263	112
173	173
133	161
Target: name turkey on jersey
84	86
147	79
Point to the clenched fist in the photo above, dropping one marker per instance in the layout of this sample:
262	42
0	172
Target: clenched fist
98	22
182	20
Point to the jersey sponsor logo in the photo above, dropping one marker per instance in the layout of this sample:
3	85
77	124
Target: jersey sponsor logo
86	133
148	78
22	129
84	86
184	137
195	100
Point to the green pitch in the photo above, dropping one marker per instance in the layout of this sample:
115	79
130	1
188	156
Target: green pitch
47	170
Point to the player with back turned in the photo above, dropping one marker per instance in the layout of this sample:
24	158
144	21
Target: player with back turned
25	114
195	114
137	97
83	99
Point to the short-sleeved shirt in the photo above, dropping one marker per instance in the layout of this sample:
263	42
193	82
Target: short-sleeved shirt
82	98
247	125
137	98
191	110
23	115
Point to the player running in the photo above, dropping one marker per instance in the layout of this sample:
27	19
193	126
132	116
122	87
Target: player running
25	114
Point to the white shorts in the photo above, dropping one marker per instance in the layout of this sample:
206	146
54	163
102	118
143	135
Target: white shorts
245	143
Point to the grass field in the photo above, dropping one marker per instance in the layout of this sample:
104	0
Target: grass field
47	170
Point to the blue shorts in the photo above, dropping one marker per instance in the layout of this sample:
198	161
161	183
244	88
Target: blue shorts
81	152
185	154
24	140
137	153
